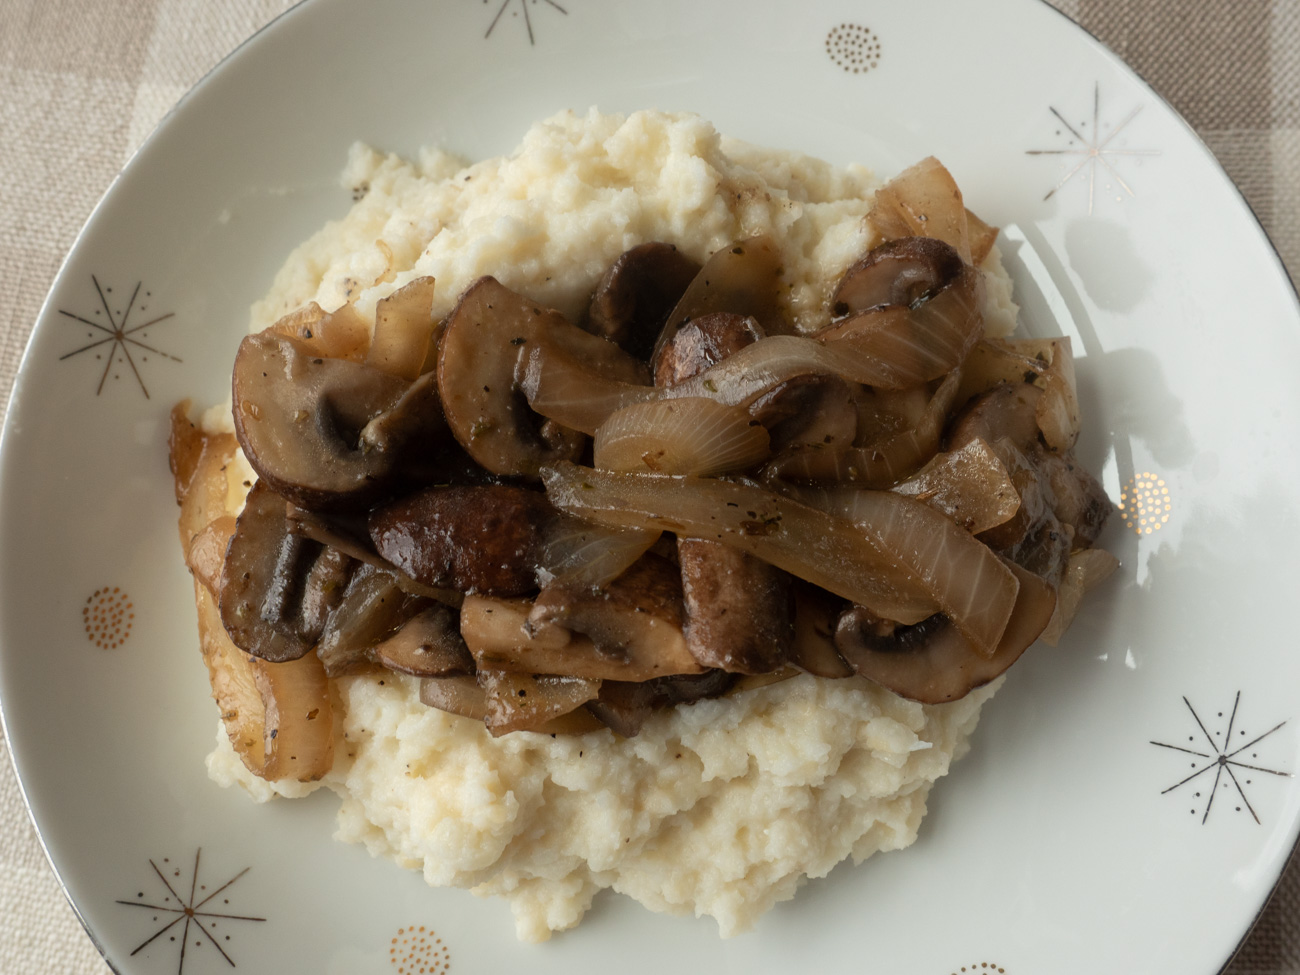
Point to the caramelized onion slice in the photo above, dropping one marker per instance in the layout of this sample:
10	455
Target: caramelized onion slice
744	279
895	347
970	584
582	554
970	485
1086	570
338	334
923	200
690	435
825	550
403	330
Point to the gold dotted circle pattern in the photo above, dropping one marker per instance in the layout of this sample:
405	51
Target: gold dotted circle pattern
108	616
419	951
1144	503
984	966
853	47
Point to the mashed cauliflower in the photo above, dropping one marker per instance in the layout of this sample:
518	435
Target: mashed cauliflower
722	807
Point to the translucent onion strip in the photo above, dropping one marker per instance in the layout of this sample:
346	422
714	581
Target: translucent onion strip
963	576
1086	570
582	554
690	435
823	549
896	347
970	485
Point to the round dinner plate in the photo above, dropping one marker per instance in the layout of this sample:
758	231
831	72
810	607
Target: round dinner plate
1130	798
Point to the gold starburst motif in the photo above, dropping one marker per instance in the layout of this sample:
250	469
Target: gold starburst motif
508	6
116	337
1095	150
1223	753
1145	503
195	921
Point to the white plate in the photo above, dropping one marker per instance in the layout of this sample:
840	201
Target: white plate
1075	838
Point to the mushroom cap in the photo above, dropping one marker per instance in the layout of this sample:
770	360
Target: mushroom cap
488	333
299	419
898	272
479	538
633	299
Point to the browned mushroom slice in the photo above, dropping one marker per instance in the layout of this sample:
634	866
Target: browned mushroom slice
633	299
743	279
815	412
637	618
898	272
323	589
428	645
458	694
816	613
521	702
739	615
299	419
624	706
487	334
932	662
373	608
261	581
700	343
498	635
483	539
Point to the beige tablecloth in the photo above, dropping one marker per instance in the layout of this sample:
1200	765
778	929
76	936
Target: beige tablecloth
84	81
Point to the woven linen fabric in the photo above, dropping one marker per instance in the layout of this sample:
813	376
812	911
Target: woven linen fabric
85	82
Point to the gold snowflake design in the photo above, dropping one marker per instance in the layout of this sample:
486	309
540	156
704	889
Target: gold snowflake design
115	337
523	5
1221	754
1096	154
190	913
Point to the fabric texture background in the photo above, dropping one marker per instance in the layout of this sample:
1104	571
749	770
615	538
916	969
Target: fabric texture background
85	82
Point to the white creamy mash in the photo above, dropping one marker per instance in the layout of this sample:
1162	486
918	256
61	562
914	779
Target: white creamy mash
722	807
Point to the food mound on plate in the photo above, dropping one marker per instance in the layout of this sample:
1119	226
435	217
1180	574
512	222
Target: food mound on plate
647	510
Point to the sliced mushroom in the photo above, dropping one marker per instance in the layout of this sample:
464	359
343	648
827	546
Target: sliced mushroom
299	419
521	702
487	334
501	636
702	342
816	613
459	694
932	662
262	580
623	707
482	539
815	412
633	299
638	616
373	608
739	613
898	272
429	644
